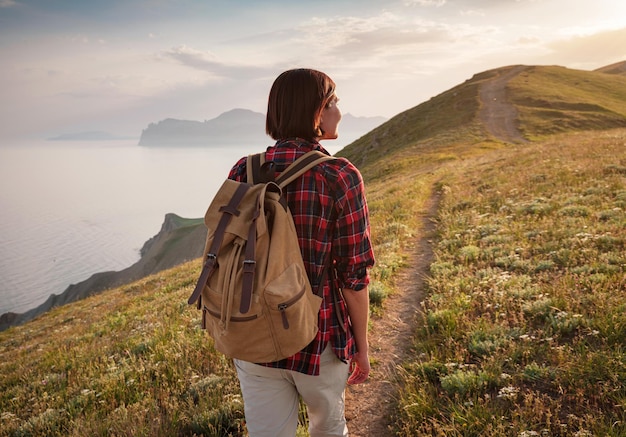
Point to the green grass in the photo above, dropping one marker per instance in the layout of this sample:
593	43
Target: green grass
553	100
131	361
524	326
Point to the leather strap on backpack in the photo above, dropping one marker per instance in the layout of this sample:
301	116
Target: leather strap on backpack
259	170
211	257
253	167
300	166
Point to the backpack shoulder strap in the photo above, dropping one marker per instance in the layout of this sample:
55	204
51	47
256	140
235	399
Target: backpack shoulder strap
253	167
300	166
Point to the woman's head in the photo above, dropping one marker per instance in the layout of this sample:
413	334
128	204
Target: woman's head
301	103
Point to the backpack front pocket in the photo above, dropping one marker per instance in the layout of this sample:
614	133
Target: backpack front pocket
293	311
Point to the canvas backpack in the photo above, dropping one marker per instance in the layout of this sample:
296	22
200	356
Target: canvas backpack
256	299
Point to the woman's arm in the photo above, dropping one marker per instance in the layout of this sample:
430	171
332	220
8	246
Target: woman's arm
358	304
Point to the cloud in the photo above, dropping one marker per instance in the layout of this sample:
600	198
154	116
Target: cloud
436	3
208	62
7	3
193	58
472	13
368	39
392	46
589	50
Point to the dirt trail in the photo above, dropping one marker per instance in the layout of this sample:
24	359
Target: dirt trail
370	406
499	116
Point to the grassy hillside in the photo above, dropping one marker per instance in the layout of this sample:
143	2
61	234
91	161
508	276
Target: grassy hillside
617	68
443	123
555	99
523	329
130	362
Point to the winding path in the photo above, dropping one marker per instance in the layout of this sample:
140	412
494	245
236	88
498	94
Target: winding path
370	406
498	115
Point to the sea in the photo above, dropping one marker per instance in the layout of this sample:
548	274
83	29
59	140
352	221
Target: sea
69	209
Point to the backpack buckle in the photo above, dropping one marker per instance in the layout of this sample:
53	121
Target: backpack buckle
249	265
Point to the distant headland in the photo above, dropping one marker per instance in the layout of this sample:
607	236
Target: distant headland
238	126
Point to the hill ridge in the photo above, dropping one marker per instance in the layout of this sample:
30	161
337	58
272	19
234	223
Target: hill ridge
546	100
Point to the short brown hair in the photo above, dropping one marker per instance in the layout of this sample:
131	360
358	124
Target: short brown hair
295	104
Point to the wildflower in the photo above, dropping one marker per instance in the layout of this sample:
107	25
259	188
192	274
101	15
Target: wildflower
508	392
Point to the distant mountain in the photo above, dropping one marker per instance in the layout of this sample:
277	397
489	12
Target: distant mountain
88	136
238	126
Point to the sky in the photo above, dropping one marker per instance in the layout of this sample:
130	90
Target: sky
118	65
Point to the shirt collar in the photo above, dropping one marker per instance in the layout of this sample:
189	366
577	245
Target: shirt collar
301	144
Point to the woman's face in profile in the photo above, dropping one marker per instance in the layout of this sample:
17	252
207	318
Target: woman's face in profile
329	122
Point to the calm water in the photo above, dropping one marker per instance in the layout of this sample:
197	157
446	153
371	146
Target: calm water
71	209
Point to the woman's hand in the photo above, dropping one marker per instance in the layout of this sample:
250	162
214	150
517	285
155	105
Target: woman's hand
359	368
358	305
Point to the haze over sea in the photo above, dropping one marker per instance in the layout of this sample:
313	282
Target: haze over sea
72	209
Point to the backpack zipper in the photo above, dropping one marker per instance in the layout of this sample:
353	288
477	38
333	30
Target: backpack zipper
232	318
282	307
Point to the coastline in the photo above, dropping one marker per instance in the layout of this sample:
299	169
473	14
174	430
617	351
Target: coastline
179	240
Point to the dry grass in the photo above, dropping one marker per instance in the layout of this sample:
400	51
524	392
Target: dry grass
129	362
553	100
524	326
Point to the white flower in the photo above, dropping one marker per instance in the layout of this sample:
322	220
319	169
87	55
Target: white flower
508	392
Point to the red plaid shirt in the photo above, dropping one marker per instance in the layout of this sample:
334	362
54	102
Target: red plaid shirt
331	189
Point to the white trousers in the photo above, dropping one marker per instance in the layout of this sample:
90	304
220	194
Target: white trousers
271	398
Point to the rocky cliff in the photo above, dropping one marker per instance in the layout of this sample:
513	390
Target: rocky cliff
178	241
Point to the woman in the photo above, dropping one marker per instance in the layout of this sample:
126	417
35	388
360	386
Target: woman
331	217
